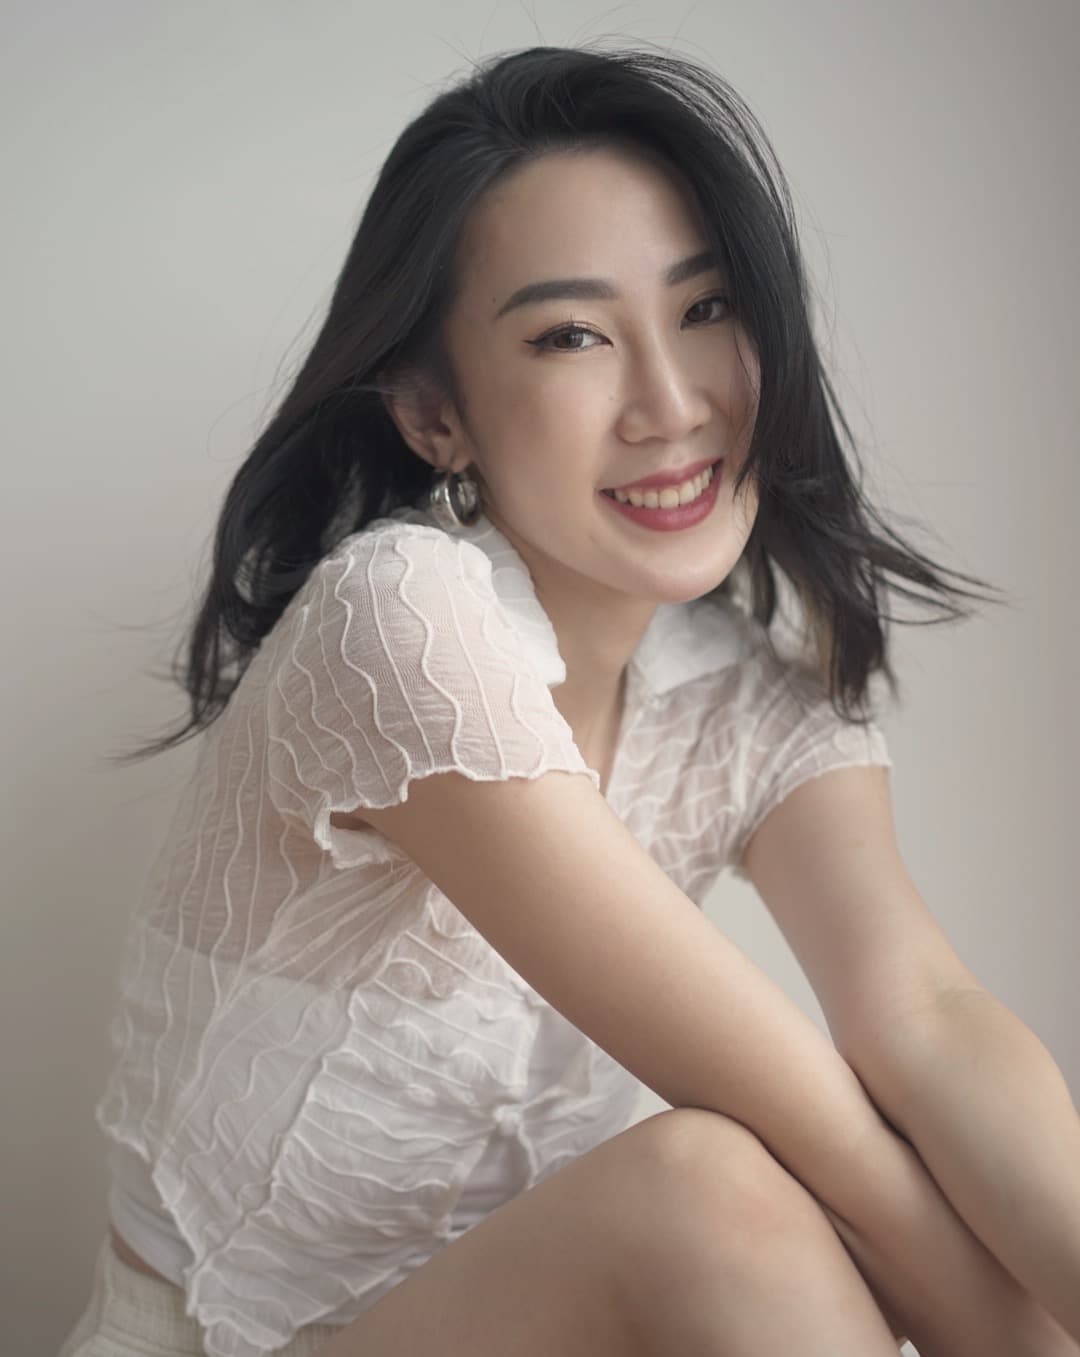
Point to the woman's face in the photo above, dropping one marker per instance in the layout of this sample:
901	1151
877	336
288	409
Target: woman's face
650	378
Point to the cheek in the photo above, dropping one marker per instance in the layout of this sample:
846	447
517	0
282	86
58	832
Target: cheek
550	390
534	426
510	401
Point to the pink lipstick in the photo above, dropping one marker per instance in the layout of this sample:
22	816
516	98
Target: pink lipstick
682	515
662	478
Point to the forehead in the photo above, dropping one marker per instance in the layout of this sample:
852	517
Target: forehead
604	211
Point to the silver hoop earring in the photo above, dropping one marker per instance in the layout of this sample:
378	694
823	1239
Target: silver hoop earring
454	500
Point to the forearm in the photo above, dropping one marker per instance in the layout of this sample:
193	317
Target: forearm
989	1112
933	1278
936	1279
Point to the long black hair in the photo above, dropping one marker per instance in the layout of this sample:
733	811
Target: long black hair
331	460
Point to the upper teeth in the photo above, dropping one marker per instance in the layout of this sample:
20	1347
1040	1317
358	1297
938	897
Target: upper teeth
670	496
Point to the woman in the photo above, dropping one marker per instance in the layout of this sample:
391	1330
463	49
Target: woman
490	698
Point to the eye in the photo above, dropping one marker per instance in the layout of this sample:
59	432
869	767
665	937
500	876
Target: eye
546	342
716	297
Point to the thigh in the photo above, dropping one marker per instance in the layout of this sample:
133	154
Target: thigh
544	1273
562	1267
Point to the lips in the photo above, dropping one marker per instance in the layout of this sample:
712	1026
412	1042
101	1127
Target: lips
665	478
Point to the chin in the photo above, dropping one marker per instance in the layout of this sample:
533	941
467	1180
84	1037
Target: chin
684	588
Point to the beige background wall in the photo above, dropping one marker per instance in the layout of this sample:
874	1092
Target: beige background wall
180	185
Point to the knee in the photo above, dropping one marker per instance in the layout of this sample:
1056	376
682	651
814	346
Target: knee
699	1174
708	1211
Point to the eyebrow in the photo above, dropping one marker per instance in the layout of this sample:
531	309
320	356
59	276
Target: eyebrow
602	289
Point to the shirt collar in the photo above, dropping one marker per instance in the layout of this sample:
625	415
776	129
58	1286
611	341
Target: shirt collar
683	641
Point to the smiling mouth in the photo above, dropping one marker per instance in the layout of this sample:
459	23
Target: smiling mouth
670	496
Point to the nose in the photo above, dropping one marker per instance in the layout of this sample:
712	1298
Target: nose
665	398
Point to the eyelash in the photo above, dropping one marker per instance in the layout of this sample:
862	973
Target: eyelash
573	327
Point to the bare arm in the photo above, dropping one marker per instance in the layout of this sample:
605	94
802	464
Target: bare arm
559	886
552	878
981	1099
934	1279
968	1093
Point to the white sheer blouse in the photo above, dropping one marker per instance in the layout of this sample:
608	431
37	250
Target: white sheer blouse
322	1073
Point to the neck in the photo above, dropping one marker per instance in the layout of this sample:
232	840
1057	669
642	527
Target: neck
597	630
592	696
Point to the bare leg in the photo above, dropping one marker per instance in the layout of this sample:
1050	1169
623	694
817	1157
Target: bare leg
681	1234
758	1269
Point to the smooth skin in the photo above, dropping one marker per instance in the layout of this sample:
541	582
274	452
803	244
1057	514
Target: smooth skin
684	1232
681	1234
559	400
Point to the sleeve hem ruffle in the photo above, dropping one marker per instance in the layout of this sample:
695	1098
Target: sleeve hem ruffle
351	847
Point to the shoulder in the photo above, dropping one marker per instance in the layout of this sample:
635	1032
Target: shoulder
413	554
468	592
733	683
403	660
389	608
390	579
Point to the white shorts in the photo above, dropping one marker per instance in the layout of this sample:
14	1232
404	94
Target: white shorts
129	1312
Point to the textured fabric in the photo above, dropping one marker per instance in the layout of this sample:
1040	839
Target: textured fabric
129	1313
322	1065
135	1206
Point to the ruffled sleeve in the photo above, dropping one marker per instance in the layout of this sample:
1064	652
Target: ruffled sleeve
400	662
796	735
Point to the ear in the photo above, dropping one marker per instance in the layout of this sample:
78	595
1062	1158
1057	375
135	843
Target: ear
426	421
